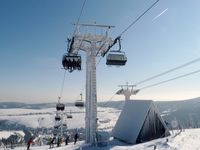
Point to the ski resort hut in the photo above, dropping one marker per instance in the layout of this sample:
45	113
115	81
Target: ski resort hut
139	122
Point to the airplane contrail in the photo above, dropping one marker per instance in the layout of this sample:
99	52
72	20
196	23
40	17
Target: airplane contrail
164	11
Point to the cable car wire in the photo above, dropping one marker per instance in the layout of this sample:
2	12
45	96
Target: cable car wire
106	103
138	18
178	77
129	26
168	71
62	85
76	25
81	12
163	73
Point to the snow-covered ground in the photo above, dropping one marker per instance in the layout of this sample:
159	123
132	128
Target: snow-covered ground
29	117
45	117
6	134
187	140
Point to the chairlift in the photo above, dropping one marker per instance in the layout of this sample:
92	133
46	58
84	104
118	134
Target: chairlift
79	103
69	116
57	118
60	107
71	62
116	58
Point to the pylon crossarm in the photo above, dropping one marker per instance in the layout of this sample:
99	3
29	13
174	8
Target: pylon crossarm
84	43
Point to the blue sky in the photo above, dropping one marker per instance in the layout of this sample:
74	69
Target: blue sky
33	35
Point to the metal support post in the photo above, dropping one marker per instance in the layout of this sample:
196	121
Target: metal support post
91	96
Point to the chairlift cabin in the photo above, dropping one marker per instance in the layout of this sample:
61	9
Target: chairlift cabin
60	107
79	103
69	116
71	62
116	58
56	126
57	118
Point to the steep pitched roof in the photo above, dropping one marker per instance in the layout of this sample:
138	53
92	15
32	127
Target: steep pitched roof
132	120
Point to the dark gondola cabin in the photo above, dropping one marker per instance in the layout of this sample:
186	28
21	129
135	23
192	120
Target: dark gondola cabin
79	103
116	58
57	118
60	107
69	116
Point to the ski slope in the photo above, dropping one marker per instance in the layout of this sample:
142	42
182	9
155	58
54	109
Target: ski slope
37	118
187	140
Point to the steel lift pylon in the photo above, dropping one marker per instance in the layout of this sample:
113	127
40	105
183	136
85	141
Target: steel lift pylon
93	45
127	90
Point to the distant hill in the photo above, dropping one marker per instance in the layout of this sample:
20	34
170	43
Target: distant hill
11	105
7	105
186	112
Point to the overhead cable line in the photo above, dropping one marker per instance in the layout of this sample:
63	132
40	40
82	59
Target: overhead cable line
107	102
69	45
178	77
118	38
62	85
81	12
71	41
138	18
168	71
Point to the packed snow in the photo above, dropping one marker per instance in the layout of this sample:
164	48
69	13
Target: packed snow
186	140
6	134
107	117
36	118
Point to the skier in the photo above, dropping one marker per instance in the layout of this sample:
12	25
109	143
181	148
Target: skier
66	139
75	137
29	143
52	142
58	141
